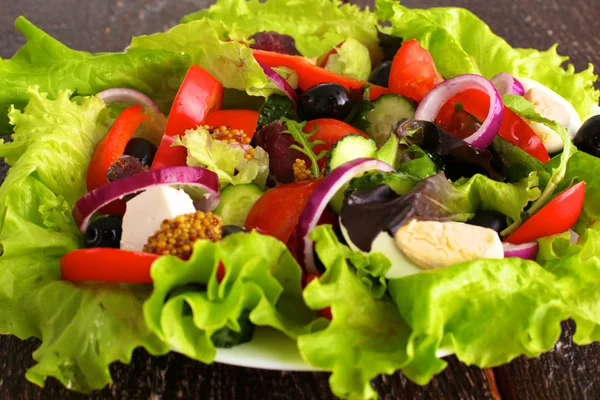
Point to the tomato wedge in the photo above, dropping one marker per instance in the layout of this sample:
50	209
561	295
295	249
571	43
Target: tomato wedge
245	120
329	130
413	73
277	211
310	74
112	145
107	265
199	94
555	217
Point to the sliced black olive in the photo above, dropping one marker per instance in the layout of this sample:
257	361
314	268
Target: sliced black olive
326	100
104	232
588	136
231	229
490	219
381	75
142	149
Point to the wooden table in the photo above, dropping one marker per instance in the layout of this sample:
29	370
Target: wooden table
567	372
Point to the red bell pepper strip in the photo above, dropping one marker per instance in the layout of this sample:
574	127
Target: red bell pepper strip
245	120
167	156
199	94
107	265
558	216
112	145
310	74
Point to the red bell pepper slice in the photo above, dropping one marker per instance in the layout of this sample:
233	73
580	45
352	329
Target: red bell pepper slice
310	74
245	120
112	145
199	94
107	265
558	216
167	156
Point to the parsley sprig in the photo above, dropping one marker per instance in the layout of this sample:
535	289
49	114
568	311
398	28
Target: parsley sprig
306	145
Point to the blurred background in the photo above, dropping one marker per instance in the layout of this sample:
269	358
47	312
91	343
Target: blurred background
107	25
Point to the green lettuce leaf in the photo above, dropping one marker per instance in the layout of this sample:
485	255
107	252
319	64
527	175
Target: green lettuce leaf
188	304
578	271
226	160
487	312
517	164
317	27
83	328
461	43
45	62
351	59
367	335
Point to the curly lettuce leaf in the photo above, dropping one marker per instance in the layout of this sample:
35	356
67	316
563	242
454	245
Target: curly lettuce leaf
83	328
226	160
367	335
188	304
461	43
487	312
45	62
350	59
317	27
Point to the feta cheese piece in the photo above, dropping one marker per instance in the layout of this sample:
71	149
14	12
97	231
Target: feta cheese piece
553	106
433	244
146	211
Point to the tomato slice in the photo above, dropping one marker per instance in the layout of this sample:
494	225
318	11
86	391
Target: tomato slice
167	156
245	120
107	265
558	216
199	94
310	74
277	211
329	131
413	73
112	145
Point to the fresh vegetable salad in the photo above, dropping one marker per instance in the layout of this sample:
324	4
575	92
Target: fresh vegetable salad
383	195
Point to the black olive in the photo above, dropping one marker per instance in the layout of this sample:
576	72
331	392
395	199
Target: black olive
104	232
325	100
588	136
231	229
142	149
490	219
381	75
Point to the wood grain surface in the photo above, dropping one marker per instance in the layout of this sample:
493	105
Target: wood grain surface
567	372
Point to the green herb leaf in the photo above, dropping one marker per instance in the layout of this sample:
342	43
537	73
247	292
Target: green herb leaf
306	145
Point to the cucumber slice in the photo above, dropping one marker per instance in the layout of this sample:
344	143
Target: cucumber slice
236	202
349	148
388	109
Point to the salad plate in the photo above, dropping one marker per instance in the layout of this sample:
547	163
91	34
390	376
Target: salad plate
311	190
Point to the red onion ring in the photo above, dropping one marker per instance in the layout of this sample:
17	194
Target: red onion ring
279	81
526	251
128	96
507	84
197	177
319	199
431	105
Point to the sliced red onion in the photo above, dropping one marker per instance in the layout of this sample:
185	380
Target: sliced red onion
279	81
574	236
507	84
526	251
199	179
128	96
431	105
331	184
